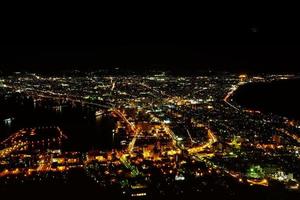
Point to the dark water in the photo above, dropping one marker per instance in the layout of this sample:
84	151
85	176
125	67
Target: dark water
279	97
84	130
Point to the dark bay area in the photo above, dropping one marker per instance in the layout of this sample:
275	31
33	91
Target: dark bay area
280	97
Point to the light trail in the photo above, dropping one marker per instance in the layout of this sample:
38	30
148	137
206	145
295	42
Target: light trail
212	139
263	182
227	97
188	132
132	142
231	92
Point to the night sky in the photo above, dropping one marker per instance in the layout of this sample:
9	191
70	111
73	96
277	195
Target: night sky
177	43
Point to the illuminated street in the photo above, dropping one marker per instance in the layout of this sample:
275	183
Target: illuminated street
168	130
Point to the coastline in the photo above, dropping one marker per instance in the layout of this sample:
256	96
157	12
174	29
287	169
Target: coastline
245	97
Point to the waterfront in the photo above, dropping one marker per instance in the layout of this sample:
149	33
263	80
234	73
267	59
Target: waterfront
155	135
84	130
279	97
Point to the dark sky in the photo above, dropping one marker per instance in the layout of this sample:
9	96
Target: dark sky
180	43
132	56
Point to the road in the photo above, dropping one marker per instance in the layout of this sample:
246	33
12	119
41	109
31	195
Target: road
212	138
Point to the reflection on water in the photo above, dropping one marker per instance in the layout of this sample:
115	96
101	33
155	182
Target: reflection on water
84	130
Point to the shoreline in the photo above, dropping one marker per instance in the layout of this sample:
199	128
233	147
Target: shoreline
231	98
